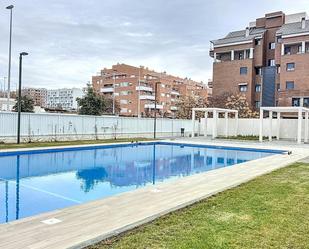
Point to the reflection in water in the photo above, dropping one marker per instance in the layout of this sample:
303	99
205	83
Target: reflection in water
36	183
91	177
17	186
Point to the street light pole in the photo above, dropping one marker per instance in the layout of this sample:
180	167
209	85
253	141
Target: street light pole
155	110
10	55
19	94
114	82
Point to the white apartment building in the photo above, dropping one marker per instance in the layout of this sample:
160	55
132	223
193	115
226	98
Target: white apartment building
4	104
64	98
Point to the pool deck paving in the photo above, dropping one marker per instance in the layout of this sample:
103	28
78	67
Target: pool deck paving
85	224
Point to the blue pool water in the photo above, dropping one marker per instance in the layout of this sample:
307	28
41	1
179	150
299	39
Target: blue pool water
35	182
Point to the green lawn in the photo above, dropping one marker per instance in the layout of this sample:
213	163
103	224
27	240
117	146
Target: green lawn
63	143
271	211
240	137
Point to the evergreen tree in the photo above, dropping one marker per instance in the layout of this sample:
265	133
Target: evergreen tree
27	104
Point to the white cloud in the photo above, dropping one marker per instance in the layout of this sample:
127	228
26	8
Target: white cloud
69	41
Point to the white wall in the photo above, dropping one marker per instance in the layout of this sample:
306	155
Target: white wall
47	127
248	127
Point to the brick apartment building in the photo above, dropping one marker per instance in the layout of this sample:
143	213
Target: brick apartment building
268	61
38	95
134	87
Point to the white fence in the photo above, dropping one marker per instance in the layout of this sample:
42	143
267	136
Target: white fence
57	127
250	127
54	127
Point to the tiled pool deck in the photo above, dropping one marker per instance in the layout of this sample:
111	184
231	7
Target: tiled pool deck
88	223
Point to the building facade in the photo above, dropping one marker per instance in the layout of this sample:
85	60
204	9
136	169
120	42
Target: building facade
7	105
268	61
64	98
39	95
134	89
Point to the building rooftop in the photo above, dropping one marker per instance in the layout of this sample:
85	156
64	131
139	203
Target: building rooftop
293	28
239	36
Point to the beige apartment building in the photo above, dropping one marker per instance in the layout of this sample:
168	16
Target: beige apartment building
39	95
268	61
134	89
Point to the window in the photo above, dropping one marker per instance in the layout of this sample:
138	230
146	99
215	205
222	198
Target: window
272	45
306	102
290	66
123	84
295	101
243	88
241	56
279	39
258	88
125	92
289	85
299	49
278	87
278	69
124	101
243	70
257	104
287	50
271	63
258	71
257	42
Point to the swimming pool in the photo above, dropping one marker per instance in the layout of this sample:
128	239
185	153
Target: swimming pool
34	182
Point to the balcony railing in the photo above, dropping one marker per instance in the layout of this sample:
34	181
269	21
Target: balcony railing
152	106
144	88
175	93
149	97
107	90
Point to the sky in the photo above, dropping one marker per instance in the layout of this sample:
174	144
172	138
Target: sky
69	41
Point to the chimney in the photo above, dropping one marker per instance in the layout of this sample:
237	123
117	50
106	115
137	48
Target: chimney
303	23
247	31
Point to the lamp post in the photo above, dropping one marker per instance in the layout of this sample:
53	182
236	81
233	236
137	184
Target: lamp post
10	55
114	82
19	94
155	110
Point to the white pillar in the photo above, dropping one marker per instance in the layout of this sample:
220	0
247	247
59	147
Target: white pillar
193	123
214	124
236	125
270	136
251	53
306	126
282	49
261	125
215	57
205	124
300	117
245	55
303	47
232	55
226	117
278	125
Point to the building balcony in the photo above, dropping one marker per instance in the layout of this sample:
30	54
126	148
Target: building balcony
148	97
144	88
107	90
175	93
152	106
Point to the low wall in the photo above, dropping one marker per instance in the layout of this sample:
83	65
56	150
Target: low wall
250	127
58	127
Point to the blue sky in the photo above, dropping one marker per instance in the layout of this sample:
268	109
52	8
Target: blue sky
68	41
